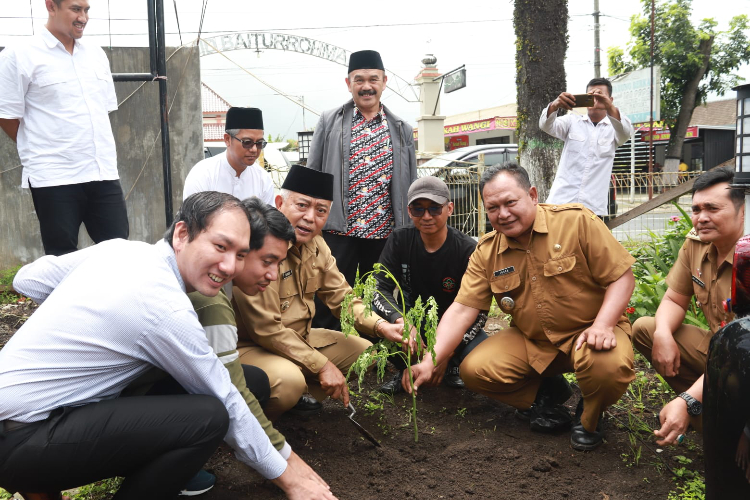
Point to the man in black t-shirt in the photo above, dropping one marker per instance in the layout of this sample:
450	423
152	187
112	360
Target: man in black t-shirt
428	259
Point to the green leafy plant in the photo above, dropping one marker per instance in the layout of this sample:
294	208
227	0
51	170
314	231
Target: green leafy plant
653	260
4	495
693	488
422	316
6	281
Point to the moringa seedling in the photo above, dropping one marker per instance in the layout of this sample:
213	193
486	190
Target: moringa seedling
422	315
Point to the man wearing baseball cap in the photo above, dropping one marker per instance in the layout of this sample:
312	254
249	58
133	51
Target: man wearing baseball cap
370	153
428	259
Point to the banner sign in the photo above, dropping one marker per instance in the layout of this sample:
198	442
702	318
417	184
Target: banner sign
664	135
455	142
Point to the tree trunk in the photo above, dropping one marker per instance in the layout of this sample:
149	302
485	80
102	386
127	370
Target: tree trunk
687	106
541	42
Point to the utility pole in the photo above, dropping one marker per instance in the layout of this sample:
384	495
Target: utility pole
597	48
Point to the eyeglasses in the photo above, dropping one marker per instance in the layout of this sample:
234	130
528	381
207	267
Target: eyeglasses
249	143
434	210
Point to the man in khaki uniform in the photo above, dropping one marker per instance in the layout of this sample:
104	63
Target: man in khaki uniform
566	282
678	351
274	327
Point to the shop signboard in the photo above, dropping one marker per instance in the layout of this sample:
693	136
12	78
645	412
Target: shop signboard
455	81
494	123
455	142
664	135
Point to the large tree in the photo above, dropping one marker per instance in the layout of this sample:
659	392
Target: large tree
694	60
541	42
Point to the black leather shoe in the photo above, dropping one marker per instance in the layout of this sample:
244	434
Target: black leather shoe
307	405
393	386
553	391
452	378
583	440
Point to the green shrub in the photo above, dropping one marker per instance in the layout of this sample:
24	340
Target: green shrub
653	260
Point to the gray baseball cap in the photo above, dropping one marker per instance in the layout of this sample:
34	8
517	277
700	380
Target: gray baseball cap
431	188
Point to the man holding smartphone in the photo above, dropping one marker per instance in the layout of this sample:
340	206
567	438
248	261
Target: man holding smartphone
585	166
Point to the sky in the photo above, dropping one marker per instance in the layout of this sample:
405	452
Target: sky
475	33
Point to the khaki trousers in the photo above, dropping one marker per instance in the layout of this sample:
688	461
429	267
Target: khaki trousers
499	369
691	341
289	381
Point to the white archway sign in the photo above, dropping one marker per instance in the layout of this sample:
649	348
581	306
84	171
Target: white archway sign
263	40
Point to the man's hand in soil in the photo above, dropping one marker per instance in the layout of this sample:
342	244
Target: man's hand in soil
300	486
674	420
598	338
304	470
665	355
333	382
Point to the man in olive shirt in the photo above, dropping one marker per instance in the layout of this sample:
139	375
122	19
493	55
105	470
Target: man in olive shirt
274	327
566	281
703	269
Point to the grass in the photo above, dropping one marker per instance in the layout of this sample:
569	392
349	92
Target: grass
6	281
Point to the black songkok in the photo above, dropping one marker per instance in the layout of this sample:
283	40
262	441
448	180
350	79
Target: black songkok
365	59
244	118
307	181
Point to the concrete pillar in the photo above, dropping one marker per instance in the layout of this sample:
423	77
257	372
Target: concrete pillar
430	122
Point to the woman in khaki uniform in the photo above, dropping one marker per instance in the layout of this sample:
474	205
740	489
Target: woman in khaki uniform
565	280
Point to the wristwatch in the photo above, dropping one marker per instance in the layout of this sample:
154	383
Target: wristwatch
694	407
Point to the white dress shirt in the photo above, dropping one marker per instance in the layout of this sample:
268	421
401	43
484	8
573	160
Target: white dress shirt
108	313
585	167
216	174
62	101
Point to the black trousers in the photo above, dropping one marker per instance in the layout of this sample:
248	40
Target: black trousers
349	253
157	443
99	205
255	379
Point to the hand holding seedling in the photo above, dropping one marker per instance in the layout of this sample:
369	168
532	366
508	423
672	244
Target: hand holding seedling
674	420
395	333
333	382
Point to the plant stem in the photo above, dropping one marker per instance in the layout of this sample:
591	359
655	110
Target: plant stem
413	397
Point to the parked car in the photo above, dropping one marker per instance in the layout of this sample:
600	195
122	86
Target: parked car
458	168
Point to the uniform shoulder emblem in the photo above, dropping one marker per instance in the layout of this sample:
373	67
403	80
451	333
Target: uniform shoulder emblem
693	235
564	206
487	237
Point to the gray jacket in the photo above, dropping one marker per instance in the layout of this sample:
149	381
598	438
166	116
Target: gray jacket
329	152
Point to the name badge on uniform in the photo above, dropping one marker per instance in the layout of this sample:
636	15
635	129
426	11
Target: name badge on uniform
504	271
700	283
286	274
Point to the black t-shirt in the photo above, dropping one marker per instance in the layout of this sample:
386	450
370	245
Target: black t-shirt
420	273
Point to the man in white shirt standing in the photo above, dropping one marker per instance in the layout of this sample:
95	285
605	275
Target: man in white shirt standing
111	312
235	171
55	95
585	167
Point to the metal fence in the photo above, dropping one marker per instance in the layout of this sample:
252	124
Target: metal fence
628	191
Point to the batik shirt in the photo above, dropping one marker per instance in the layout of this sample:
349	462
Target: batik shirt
369	211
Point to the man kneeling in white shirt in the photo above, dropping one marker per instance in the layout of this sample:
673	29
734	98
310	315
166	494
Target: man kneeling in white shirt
110	312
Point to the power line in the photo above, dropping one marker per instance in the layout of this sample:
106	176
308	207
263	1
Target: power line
178	19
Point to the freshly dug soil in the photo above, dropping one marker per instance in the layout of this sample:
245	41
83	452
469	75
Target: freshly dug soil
470	447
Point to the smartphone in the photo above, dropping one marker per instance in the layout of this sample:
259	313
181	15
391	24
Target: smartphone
584	100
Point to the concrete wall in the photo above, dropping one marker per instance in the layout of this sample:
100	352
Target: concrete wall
136	127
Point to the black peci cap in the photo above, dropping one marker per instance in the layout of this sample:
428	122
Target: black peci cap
307	181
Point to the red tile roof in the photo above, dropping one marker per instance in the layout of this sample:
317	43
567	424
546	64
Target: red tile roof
213	102
213	132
